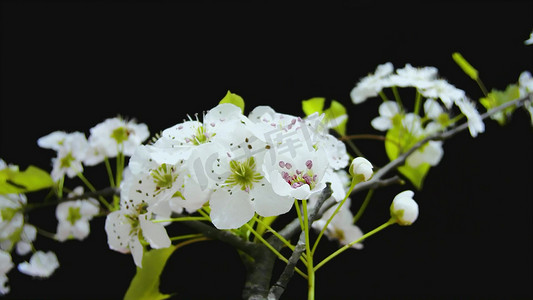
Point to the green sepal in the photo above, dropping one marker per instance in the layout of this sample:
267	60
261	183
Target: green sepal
465	66
399	140
233	99
496	98
14	181
145	283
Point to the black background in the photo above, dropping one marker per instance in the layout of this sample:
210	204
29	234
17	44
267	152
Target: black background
69	65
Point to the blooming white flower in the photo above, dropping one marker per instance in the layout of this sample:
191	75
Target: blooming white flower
388	110
54	140
6	264
420	78
74	216
335	149
404	209
372	84
114	135
133	221
475	123
446	92
430	153
361	167
70	156
341	227
41	264
432	109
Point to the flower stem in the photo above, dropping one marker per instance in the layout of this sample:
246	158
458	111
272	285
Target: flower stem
309	255
274	232
363	206
397	97
91	187
417	102
109	171
347	246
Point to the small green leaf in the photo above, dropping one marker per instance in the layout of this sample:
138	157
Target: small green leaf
233	99
313	105
496	98
13	181
415	175
465	66
337	116
145	284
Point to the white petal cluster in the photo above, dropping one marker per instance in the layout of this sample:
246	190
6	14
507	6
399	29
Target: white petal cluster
370	85
74	216
12	227
530	40
525	85
41	264
74	150
235	165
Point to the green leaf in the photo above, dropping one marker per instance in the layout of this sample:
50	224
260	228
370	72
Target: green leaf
415	175
496	98
313	105
13	181
233	99
398	141
465	66
145	284
336	115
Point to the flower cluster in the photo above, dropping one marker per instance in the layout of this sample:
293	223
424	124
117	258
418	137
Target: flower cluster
230	166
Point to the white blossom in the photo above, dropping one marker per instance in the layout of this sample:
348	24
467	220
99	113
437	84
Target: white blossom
387	111
372	84
446	92
113	135
475	123
41	264
404	209
341	227
11	219
54	140
74	216
6	264
410	76
70	156
430	153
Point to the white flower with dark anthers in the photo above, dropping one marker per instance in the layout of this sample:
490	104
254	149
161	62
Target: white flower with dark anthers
475	123
27	236
430	153
404	210
341	227
297	176
11	219
126	226
388	110
6	264
113	135
74	216
410	76
54	140
446	92
361	167
372	84
70	156
41	264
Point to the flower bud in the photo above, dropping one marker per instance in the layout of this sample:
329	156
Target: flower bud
404	209
361	167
